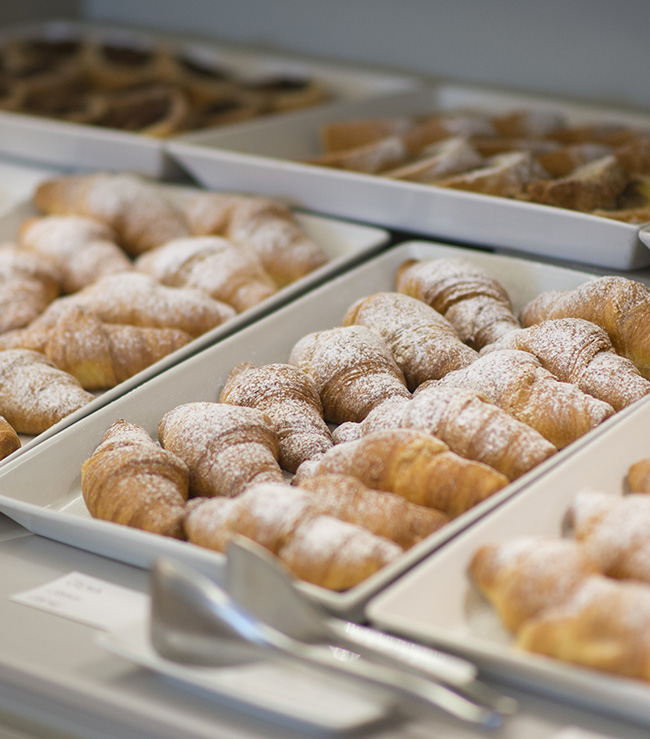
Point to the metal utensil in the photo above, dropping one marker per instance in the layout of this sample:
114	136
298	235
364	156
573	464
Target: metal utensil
194	621
259	582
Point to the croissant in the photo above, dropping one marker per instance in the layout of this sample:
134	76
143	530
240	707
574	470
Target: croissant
476	305
618	305
614	530
34	394
317	548
290	399
353	370
83	249
266	227
212	264
638	476
517	382
385	514
140	212
423	343
527	575
580	352
413	464
226	447
9	439
28	283
130	480
604	625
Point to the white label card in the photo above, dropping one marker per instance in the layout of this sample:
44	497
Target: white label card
88	600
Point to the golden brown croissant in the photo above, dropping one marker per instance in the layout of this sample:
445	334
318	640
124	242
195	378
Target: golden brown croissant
9	439
638	476
469	424
423	343
130	480
476	305
139	211
28	283
218	267
527	575
619	305
84	249
34	394
318	548
614	530
580	352
226	447
413	464
517	382
604	625
353	369
290	399
266	227
385	514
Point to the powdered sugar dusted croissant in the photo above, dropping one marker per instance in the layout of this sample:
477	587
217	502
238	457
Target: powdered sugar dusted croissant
9	439
226	447
423	343
130	480
290	399
475	303
318	548
353	370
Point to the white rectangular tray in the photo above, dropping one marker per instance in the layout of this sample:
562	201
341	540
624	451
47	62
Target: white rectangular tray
436	603
344	243
271	155
82	146
41	489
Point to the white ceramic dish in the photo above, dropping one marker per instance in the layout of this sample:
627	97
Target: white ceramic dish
270	156
286	696
435	603
41	489
344	243
87	147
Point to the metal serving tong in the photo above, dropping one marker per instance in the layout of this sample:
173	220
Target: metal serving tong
194	621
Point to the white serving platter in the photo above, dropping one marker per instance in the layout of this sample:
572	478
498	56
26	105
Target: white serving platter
271	156
41	489
344	243
79	146
437	604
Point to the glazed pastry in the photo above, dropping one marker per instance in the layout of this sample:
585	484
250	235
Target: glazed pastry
527	575
318	548
423	343
285	92
28	284
9	439
83	249
385	514
130	480
413	464
476	304
34	394
226	447
120	64
619	305
290	399
638	476
353	369
614	530
101	355
212	264
604	625
266	227
517	382
140	212
580	352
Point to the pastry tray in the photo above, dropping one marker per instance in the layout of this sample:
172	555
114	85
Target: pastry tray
345	244
41	489
79	146
435	603
272	155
